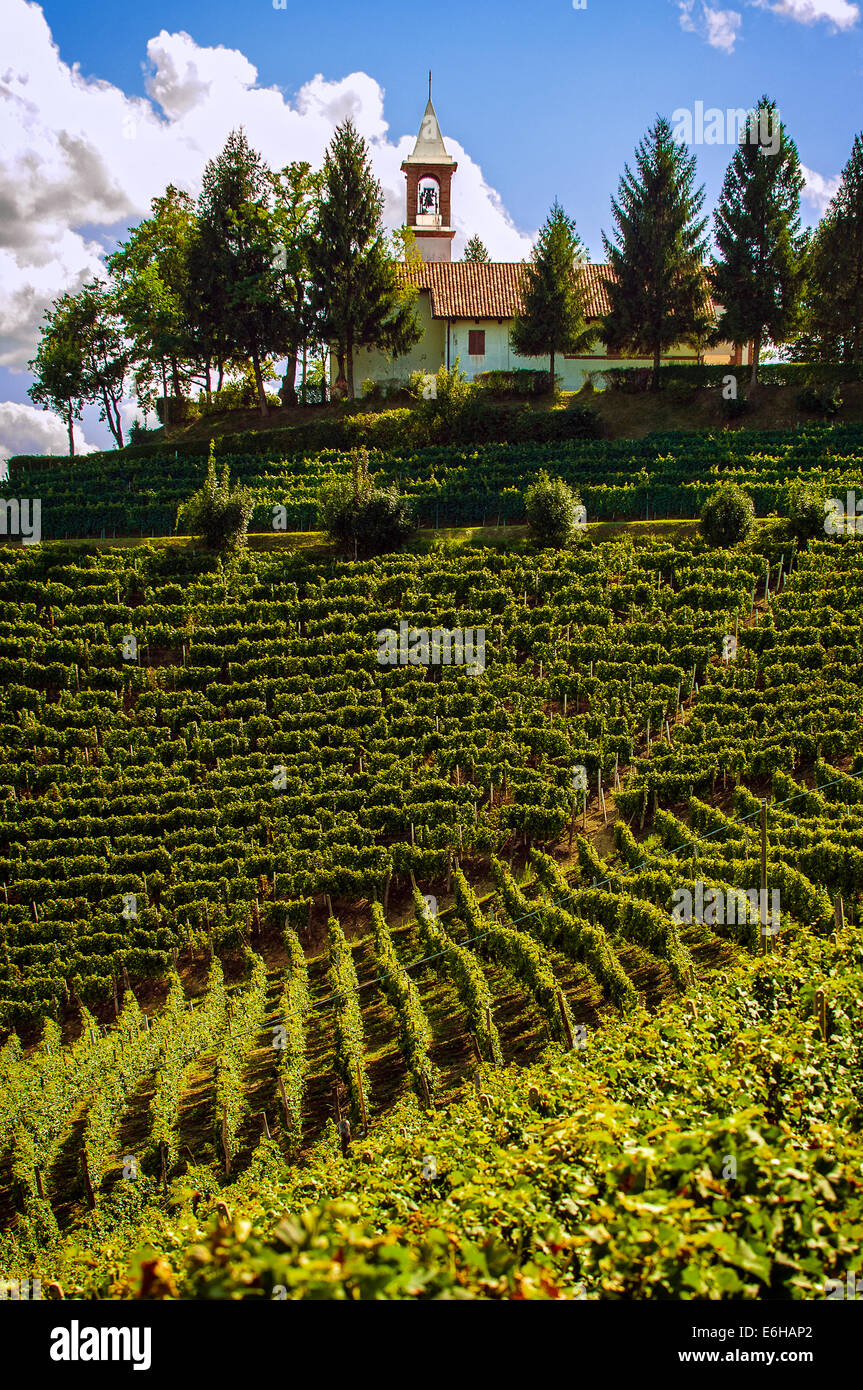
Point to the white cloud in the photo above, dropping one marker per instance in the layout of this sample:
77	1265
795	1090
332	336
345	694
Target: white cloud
818	189
722	27
26	430
718	27
838	13
80	160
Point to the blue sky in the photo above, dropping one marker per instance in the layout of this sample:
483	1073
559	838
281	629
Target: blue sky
537	101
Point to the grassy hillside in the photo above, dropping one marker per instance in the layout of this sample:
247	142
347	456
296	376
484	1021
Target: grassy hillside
622	416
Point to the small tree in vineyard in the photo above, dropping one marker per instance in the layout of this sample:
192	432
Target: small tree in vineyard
728	516
217	513
551	511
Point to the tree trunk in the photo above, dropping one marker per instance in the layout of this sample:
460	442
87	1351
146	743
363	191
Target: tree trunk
70	428
112	422
324	382
756	352
289	381
654	385
176	386
349	355
551	370
221	379
119	422
259	382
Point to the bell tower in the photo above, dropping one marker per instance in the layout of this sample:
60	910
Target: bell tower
429	172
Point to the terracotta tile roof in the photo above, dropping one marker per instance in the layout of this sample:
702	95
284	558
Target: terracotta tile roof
489	290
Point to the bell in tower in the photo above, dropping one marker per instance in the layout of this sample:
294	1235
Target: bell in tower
429	172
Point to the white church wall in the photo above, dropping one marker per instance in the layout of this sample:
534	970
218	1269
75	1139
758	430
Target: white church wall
428	354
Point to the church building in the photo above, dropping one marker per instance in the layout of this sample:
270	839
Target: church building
466	308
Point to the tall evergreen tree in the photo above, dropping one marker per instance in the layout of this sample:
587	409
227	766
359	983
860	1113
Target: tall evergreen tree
833	314
236	297
357	293
552	319
758	275
476	251
658	292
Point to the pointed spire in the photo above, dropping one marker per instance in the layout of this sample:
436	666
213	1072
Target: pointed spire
429	147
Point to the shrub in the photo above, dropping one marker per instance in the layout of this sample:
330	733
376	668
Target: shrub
217	513
176	410
727	516
807	511
140	433
735	407
362	518
235	396
550	505
682	392
819	400
630	380
519	382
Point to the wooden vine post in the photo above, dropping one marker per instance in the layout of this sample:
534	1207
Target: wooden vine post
285	1106
88	1185
762	897
362	1095
566	1028
225	1146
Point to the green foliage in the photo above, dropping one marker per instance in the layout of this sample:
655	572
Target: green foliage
243	1021
293	1008
475	250
58	368
552	319
751	1194
83	357
362	518
550	506
514	384
579	940
728	516
807	511
759	272
195	1031
398	986
658	295
466	977
239	305
357	295
819	400
833	310
218	513
151	273
348	1033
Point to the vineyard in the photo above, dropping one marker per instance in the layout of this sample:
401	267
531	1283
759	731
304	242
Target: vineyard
327	977
669	475
253	755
